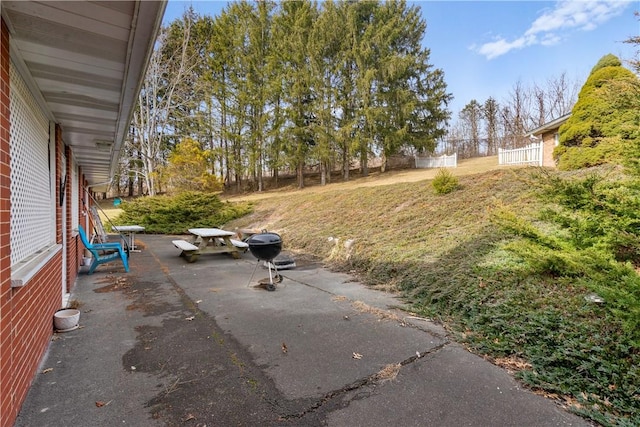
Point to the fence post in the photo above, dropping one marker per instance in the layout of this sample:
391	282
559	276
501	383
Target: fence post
541	151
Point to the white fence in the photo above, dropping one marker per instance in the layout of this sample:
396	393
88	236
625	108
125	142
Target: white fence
437	162
531	154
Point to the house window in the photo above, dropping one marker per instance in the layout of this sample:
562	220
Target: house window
32	174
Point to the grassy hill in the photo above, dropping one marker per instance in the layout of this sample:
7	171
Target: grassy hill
446	256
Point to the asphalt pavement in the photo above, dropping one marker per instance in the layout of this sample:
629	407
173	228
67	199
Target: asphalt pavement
173	343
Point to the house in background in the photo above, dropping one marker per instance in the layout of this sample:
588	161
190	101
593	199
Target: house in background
548	135
70	73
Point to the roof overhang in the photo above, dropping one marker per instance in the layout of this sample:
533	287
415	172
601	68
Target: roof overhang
85	62
552	125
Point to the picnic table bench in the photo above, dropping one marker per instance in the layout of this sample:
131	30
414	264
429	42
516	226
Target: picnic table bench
190	252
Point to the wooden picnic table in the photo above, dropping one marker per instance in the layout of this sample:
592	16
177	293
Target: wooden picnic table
216	241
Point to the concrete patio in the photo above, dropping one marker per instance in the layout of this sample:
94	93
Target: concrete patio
176	343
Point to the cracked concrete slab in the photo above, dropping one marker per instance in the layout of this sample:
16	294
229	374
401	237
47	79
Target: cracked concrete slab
450	387
174	342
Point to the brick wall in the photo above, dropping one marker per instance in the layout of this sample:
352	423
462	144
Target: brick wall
31	314
26	313
6	345
548	145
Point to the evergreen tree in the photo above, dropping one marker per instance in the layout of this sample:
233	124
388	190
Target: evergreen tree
292	28
600	127
277	87
325	47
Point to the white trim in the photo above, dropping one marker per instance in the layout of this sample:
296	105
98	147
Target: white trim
63	216
24	271
22	69
53	182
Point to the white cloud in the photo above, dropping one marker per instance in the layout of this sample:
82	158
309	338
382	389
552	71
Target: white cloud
501	46
553	25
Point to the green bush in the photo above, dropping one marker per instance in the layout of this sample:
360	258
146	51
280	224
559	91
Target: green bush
176	214
604	121
444	182
607	150
584	244
592	238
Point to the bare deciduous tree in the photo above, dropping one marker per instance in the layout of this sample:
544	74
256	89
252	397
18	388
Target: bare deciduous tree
561	95
157	98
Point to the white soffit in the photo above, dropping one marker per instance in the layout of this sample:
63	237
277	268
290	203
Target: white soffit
87	59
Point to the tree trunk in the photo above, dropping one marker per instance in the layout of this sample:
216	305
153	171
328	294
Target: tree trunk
323	174
300	173
130	185
364	162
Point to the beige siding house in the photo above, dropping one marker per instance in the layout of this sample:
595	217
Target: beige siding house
548	134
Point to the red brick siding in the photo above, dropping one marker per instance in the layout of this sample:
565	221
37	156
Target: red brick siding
31	314
6	343
26	313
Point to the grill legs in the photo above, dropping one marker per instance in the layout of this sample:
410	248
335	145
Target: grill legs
277	277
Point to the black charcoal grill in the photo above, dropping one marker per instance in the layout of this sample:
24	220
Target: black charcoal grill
266	246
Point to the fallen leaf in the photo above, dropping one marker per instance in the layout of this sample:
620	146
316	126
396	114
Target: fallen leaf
357	356
190	318
46	371
190	417
100	404
284	348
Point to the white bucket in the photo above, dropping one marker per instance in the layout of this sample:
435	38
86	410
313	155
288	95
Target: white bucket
66	319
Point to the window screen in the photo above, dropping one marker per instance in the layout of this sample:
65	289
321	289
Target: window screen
32	204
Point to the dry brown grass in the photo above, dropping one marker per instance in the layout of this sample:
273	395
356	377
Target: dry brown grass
394	219
388	373
377	312
375	179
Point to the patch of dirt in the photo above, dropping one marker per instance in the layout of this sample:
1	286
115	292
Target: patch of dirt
117	284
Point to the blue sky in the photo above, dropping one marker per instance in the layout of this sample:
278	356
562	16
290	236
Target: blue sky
486	47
